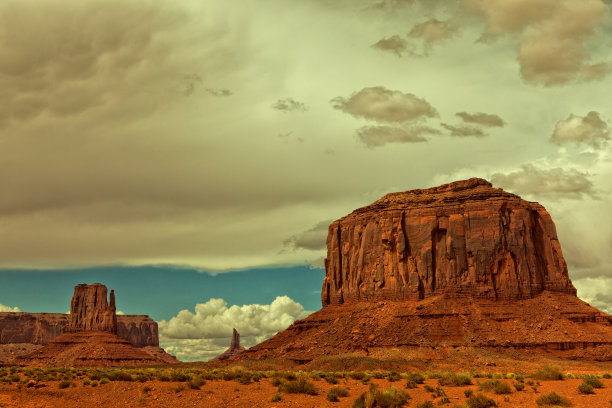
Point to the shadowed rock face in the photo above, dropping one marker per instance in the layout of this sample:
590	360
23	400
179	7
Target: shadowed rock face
90	310
463	238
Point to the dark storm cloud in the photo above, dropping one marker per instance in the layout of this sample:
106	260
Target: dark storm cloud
590	130
289	105
464	131
483	119
552	35
395	44
375	136
313	239
552	182
384	105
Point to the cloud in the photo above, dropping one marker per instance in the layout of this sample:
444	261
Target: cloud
313	239
289	105
207	332
553	36
395	44
464	131
553	182
432	31
483	119
596	291
384	105
9	309
375	136
219	92
590	130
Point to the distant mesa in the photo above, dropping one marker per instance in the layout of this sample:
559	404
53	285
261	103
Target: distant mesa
89	336
460	265
234	350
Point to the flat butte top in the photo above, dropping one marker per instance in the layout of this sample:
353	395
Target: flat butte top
458	192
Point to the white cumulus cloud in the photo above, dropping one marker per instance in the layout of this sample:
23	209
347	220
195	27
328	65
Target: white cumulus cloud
206	332
591	130
9	309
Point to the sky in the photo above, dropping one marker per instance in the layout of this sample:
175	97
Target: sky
182	141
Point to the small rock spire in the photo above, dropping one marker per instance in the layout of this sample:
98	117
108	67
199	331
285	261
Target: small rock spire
235	340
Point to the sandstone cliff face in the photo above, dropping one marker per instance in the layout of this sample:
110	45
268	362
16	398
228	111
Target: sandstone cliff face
463	238
90	310
41	328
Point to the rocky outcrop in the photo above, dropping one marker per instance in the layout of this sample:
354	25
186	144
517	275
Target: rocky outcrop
90	310
462	238
91	339
234	350
463	265
41	328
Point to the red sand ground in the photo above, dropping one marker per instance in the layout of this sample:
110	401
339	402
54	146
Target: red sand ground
229	394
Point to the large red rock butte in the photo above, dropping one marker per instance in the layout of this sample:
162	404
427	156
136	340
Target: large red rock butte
459	265
91	337
90	310
460	238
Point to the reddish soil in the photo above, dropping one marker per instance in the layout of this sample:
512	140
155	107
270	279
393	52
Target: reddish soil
227	394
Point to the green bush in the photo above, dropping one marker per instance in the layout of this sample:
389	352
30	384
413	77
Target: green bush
553	399
86	382
411	384
393	376
468	393
64	384
331	378
195	383
276	397
390	398
593	381
416	377
519	386
495	386
607	376
548	372
480	401
103	381
299	386
585	388
95	383
455	380
426	404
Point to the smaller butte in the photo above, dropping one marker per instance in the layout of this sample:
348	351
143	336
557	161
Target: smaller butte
91	339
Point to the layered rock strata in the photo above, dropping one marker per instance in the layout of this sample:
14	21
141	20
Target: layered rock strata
460	265
41	328
91	337
463	238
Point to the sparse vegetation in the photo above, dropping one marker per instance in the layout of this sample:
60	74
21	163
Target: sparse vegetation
426	404
585	388
390	398
519	386
593	381
299	386
480	401
553	399
548	373
335	393
276	397
64	384
455	380
495	386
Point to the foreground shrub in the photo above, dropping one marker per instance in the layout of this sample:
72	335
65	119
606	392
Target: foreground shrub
495	386
416	377
548	372
480	401
553	399
390	398
585	388
299	386
519	386
455	380
276	397
426	404
64	384
593	381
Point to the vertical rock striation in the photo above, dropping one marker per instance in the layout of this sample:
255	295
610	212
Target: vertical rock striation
90	310
462	238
